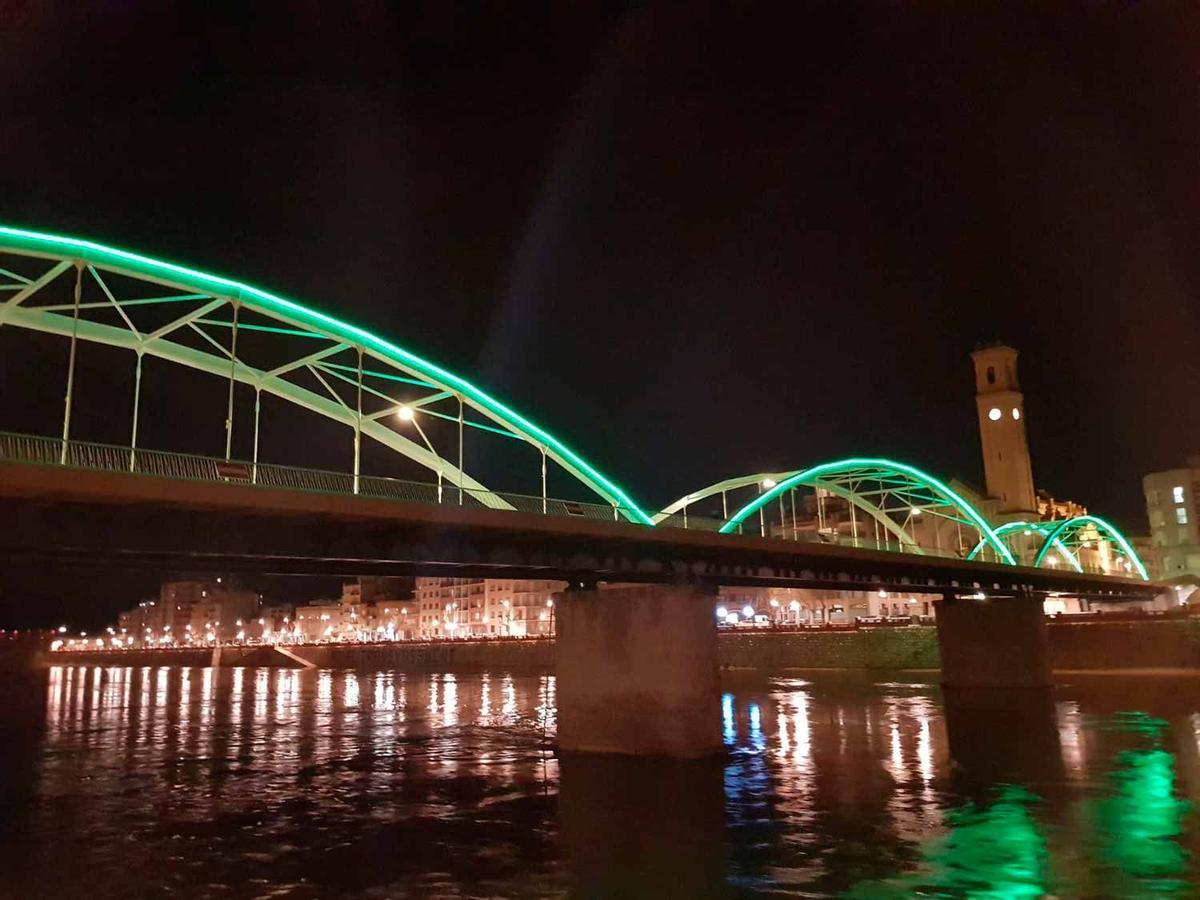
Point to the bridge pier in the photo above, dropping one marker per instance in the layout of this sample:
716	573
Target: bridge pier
993	642
637	672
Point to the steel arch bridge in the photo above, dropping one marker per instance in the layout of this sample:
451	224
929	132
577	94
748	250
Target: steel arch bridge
906	508
225	328
1084	543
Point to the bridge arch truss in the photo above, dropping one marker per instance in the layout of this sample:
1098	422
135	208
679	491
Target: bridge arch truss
890	505
245	335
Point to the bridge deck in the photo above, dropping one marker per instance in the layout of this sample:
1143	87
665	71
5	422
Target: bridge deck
109	518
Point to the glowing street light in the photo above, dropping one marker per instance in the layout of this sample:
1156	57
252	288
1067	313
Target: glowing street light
748	611
722	613
405	414
768	483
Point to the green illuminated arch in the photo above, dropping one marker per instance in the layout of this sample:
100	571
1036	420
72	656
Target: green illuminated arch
1065	529
213	292
1042	528
839	476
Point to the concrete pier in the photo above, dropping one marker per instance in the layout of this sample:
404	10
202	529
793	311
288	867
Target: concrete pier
637	672
993	642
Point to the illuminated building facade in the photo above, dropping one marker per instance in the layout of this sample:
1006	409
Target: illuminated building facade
1172	506
801	606
485	607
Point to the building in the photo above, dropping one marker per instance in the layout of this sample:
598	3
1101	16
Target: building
479	607
1000	405
192	611
1050	507
1172	505
369	609
801	606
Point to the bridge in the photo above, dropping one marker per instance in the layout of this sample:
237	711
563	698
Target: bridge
862	523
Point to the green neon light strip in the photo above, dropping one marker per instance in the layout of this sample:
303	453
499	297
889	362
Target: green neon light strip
245	326
480	425
21	240
1113	532
385	375
1041	528
811	474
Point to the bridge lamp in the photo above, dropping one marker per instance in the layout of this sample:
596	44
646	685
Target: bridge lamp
915	510
1052	559
405	413
748	611
768	483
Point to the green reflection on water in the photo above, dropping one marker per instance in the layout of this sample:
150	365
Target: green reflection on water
998	850
992	851
1140	819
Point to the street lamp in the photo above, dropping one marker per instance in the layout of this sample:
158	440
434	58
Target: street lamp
405	413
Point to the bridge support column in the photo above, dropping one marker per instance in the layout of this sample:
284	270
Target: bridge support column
993	642
637	672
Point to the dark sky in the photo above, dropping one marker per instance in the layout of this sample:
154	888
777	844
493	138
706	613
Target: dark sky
693	240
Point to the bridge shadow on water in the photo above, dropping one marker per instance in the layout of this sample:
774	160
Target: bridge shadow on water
642	828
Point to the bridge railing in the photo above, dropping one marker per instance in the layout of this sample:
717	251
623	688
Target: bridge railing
25	448
33	449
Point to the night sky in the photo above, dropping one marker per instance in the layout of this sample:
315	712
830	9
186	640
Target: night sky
693	241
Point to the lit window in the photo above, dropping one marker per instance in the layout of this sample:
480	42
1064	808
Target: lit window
994	414
1177	493
1181	515
1016	413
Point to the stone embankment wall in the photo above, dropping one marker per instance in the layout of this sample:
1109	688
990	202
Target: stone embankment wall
1097	645
867	648
1169	644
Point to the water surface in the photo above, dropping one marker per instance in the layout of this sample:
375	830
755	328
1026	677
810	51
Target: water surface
283	783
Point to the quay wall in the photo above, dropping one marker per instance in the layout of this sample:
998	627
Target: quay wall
1163	644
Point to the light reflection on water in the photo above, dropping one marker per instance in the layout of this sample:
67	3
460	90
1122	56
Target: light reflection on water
304	783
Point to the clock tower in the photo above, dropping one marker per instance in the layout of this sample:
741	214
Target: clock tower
1001	408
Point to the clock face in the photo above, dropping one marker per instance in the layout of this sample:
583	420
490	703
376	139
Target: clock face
994	414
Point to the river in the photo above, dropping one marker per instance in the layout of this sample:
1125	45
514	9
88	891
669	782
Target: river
198	782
